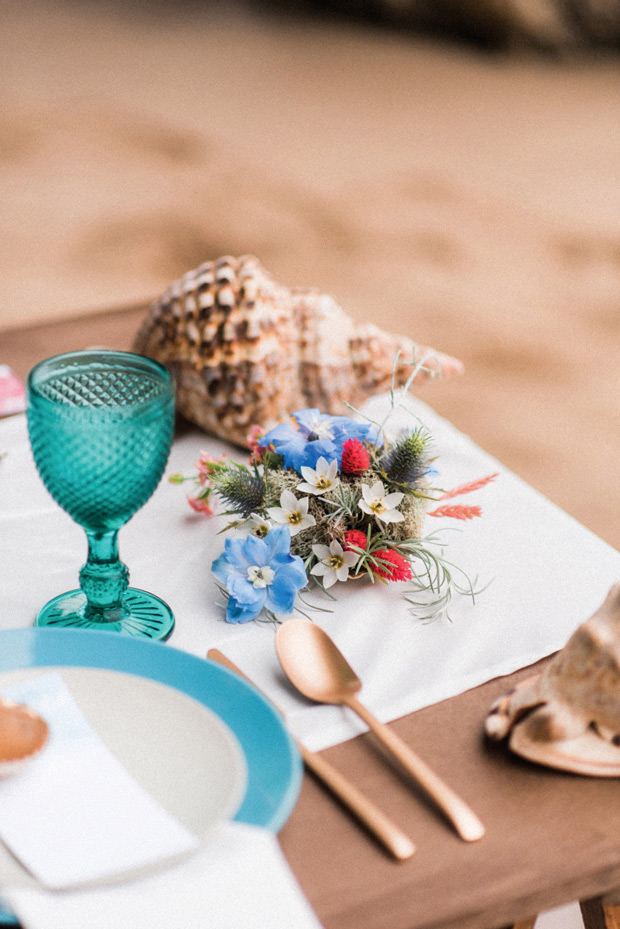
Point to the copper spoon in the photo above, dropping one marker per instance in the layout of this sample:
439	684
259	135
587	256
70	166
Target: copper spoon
319	670
391	837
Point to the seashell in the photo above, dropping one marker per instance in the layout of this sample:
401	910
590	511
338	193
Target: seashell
568	716
23	733
244	349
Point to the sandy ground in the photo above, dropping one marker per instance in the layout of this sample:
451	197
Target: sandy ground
470	202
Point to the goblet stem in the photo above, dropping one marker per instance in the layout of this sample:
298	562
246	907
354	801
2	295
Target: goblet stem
104	578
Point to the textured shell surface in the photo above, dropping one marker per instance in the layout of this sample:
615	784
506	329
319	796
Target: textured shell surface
246	350
569	715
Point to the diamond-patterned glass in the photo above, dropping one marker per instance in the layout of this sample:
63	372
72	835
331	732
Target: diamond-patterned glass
100	425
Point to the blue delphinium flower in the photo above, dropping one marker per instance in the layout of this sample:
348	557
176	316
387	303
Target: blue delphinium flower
259	573
318	436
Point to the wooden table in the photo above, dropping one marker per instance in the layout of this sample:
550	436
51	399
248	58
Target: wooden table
551	837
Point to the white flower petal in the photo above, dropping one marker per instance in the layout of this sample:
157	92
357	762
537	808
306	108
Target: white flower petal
342	573
308	474
304	523
350	558
363	505
321	551
320	569
332	471
376	491
309	488
367	493
392	500
335	547
302	506
330	579
288	500
391	516
277	513
322	466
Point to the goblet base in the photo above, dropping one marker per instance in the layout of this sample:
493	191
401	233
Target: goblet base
143	615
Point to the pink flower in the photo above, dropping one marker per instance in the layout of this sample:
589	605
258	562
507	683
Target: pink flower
206	466
254	435
467	488
456	511
253	438
201	505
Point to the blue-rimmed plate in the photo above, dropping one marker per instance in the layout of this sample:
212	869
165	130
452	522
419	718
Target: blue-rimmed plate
274	767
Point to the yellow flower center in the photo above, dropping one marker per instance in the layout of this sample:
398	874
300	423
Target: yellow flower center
260	531
322	482
377	506
335	561
294	518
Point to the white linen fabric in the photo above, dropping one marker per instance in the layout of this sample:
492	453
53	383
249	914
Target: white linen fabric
74	814
545	572
239	880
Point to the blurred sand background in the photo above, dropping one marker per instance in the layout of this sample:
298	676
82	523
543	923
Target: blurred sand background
469	200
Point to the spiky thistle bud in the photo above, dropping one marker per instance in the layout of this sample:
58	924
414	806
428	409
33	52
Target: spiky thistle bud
241	491
407	461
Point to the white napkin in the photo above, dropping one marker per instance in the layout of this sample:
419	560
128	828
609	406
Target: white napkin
240	880
74	814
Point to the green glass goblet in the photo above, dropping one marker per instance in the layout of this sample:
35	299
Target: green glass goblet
101	426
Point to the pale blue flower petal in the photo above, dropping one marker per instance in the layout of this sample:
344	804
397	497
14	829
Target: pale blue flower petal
279	542
223	568
245	592
256	551
281	595
236	613
292	568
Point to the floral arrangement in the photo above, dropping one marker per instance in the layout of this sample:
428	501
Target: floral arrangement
325	500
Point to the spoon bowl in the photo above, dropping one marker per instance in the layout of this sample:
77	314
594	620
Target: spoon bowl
324	675
317	668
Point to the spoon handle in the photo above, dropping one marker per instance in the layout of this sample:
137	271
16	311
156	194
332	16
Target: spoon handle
463	818
378	824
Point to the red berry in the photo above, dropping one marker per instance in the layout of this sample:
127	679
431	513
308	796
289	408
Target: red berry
354	537
401	570
355	458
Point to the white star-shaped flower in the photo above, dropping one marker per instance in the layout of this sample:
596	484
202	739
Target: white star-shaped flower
292	512
382	506
320	426
320	479
334	563
257	525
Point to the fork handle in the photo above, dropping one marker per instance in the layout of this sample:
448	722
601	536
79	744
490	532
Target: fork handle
378	824
462	817
369	815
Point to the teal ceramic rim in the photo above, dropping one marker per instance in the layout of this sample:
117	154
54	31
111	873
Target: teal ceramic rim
274	764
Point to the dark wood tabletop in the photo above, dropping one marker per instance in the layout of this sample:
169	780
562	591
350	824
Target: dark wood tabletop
551	837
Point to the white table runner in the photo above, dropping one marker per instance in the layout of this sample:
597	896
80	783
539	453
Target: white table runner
548	574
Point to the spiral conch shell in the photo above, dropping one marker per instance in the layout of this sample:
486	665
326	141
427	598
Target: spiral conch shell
243	349
569	715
